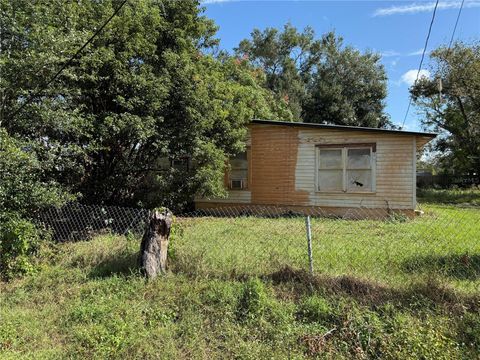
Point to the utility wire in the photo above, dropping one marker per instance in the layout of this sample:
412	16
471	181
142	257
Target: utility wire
449	48
456	23
69	62
421	61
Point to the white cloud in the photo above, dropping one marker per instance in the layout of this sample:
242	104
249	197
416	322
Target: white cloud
389	53
411	75
415	53
393	53
415	8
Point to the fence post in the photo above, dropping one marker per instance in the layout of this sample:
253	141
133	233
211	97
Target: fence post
309	240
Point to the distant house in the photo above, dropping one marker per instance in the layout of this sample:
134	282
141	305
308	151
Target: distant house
337	168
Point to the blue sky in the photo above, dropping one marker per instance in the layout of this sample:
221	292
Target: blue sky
397	29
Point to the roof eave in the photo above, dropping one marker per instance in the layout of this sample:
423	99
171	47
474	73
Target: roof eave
343	127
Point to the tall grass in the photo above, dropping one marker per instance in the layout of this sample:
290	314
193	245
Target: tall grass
88	301
469	196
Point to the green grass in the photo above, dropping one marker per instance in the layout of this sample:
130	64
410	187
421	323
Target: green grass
443	244
87	301
239	288
450	196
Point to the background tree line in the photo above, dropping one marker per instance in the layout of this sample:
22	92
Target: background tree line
322	80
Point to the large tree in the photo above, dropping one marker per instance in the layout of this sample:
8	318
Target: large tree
288	59
450	102
143	91
347	88
322	80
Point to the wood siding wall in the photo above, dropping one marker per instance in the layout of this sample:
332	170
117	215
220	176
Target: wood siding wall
394	168
274	157
282	169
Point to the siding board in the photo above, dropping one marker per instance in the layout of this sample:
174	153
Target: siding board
282	168
393	169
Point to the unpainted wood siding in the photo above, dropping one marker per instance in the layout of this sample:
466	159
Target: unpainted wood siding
282	169
394	169
274	153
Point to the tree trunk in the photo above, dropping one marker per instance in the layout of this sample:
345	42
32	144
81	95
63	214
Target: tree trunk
154	247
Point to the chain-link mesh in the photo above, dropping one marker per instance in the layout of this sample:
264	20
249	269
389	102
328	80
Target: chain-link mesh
368	244
74	221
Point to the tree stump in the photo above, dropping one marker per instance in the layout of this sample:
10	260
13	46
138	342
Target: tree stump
154	247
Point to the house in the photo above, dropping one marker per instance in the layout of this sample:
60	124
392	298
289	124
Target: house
305	166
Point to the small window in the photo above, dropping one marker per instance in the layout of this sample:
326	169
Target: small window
238	172
359	170
237	184
347	168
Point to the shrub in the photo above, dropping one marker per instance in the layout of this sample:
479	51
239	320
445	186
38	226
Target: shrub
24	190
19	239
253	300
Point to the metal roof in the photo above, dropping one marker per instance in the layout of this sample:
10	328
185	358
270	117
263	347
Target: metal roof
342	127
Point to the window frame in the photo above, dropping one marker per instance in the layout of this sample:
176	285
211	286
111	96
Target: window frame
246	180
344	148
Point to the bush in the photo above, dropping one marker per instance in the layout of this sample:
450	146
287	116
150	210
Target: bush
19	239
24	190
24	186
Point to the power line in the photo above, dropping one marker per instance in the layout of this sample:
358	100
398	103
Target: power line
421	61
450	47
69	62
456	23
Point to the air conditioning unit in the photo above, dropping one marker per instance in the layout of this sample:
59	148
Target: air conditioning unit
238	184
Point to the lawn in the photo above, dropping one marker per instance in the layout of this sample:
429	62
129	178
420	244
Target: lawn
443	244
87	301
240	288
469	196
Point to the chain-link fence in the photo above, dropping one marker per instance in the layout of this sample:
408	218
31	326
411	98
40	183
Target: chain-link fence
76	222
366	244
374	245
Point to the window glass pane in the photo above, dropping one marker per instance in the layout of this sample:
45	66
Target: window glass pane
358	158
241	156
359	180
238	174
180	163
330	159
330	180
239	162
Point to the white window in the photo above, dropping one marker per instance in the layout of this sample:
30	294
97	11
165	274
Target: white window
347	168
238	172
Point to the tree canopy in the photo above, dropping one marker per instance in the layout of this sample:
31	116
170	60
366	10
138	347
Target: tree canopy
453	108
322	80
144	90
